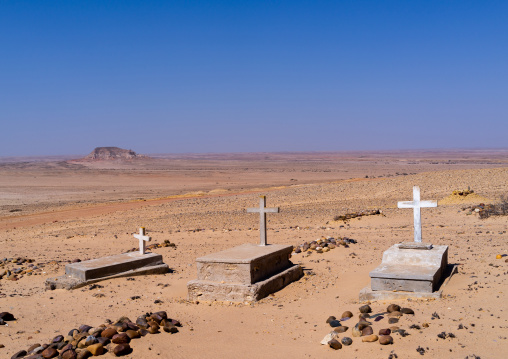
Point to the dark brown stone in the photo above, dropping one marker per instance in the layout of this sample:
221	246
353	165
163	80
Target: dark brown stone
347	314
122	349
367	331
340	329
385	331
69	354
6	316
365	309
335	344
330	319
393	320
170	329
385	340
19	354
108	333
49	353
121	338
393	308
133	334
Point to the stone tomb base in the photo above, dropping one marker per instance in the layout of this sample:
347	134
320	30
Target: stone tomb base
410	270
367	294
245	273
95	270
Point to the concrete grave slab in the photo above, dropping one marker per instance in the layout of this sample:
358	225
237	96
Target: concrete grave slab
367	294
245	264
244	273
411	270
95	270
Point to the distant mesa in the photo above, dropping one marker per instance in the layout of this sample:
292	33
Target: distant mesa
112	153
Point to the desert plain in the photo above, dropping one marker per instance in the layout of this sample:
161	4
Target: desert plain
56	210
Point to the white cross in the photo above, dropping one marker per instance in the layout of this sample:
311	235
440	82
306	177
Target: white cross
262	210
142	239
416	204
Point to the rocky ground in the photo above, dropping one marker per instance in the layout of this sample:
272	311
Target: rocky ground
469	322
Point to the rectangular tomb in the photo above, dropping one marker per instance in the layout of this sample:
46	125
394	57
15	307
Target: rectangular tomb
245	273
411	270
245	264
107	266
95	270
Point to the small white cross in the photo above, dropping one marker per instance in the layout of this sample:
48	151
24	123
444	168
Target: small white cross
142	239
262	210
416	204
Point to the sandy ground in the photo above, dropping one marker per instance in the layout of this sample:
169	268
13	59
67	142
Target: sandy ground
54	212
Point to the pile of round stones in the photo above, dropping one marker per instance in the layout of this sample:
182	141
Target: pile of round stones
16	268
164	244
87	341
363	328
348	216
324	244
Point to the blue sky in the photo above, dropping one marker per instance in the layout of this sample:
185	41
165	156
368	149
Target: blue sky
245	76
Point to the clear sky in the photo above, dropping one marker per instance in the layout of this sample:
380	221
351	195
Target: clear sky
245	76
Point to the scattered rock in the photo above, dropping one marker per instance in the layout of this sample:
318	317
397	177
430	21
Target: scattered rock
370	338
346	341
365	309
6	316
335	344
122	349
367	331
346	314
393	308
334	323
341	329
407	311
385	340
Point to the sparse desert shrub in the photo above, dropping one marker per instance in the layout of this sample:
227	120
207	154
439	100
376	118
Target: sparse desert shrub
498	209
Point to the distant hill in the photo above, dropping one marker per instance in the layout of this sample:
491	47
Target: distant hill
112	153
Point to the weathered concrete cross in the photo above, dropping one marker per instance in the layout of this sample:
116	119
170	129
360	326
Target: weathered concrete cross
416	204
142	239
262	210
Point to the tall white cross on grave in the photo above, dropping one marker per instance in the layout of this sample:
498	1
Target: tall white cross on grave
262	210
142	239
416	204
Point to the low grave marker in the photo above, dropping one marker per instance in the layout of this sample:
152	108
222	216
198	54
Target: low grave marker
247	272
121	265
410	269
